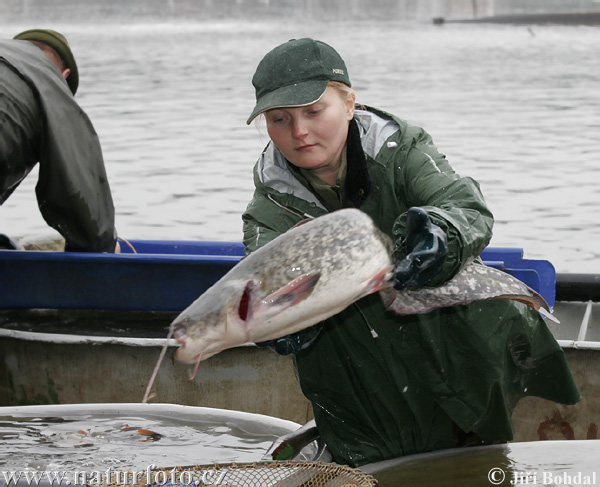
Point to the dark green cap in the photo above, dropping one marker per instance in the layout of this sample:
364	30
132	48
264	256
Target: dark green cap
295	74
59	43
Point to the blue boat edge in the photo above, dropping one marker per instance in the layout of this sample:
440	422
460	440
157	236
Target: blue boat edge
168	275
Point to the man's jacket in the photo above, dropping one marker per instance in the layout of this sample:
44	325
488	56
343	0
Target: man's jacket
41	122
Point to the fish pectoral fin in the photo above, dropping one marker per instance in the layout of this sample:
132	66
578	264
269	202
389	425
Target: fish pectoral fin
293	292
289	295
381	280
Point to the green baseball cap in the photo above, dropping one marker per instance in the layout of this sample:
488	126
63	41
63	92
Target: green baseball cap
59	43
295	74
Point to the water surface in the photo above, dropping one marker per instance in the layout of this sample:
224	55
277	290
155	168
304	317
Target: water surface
549	463
515	107
91	441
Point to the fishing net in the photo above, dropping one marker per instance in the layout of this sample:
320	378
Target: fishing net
271	474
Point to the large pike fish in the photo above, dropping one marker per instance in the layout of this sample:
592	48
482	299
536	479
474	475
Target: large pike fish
312	272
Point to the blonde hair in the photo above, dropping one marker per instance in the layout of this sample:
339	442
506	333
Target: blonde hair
344	90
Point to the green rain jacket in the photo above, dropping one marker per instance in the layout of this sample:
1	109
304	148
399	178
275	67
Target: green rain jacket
426	380
41	122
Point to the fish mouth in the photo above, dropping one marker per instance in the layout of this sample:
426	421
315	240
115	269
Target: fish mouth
181	337
180	333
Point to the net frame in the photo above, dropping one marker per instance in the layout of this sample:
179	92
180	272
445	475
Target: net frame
264	474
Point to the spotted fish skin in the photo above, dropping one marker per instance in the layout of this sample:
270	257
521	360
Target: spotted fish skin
312	272
476	282
302	277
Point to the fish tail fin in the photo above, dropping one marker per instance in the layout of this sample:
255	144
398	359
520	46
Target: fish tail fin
535	301
548	314
474	283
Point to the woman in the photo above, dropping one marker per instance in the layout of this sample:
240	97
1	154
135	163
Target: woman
447	378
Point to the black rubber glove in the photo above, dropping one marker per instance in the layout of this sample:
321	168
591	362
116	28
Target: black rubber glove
294	342
286	345
426	246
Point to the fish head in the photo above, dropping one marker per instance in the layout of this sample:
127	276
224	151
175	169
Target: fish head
212	323
193	334
302	277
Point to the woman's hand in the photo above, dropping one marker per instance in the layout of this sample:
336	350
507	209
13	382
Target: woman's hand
426	246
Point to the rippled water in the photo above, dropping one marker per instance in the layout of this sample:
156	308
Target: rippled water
94	441
515	107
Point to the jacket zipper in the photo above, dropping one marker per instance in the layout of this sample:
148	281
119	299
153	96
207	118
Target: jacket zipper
300	215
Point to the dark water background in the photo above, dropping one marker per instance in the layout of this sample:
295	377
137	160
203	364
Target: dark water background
517	107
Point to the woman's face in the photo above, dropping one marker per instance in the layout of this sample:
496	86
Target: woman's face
313	137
